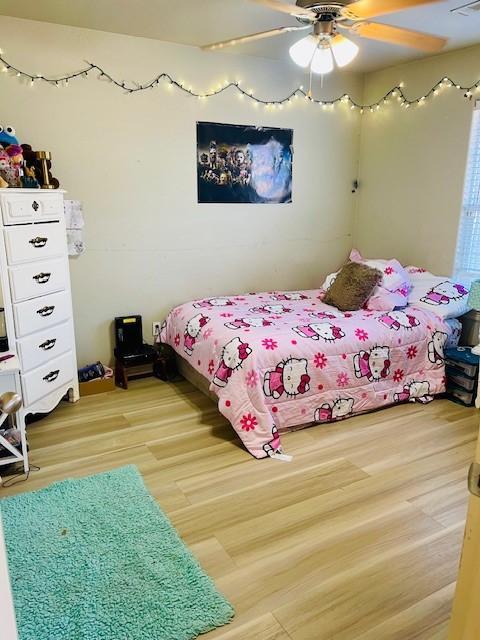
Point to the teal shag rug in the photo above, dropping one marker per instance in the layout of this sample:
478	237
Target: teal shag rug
97	559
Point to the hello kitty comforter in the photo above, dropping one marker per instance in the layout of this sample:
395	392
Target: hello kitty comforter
280	359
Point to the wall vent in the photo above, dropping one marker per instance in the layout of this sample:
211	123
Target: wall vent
467	9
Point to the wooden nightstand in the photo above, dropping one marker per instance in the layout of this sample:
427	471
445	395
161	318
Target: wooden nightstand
138	364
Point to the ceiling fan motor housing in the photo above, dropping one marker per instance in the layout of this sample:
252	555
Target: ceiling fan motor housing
322	7
326	15
325	25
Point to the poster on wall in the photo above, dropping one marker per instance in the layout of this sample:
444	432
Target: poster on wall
246	164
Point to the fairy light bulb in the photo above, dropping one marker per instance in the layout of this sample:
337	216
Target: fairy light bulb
322	53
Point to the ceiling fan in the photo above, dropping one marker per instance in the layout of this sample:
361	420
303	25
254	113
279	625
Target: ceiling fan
325	46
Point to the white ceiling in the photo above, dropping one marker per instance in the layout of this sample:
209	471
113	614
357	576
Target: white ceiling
196	22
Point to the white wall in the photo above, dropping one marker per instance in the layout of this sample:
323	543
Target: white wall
412	163
131	160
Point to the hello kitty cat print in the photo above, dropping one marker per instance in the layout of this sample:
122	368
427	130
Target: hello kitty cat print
446	298
315	330
444	293
280	359
289	377
192	331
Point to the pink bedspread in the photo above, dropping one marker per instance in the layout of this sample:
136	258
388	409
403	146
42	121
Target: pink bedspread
281	359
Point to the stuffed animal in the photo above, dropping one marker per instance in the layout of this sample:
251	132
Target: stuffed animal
15	153
11	158
7	136
4	168
32	160
29	180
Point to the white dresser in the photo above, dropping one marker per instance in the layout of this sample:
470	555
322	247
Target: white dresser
35	283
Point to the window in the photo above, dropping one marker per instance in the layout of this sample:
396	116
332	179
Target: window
468	244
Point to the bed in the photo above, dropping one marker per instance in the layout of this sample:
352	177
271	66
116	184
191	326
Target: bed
281	359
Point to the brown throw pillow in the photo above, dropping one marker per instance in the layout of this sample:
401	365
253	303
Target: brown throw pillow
352	287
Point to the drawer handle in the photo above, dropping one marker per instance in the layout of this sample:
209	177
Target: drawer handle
35	205
53	375
38	242
48	344
42	278
46	311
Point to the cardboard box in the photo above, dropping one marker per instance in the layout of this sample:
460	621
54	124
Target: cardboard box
99	385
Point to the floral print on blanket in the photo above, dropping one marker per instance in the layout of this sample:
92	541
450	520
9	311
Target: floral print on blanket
284	358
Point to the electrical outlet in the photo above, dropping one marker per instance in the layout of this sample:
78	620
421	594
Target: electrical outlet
156	328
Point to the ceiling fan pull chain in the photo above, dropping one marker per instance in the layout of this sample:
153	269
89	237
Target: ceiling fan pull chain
309	94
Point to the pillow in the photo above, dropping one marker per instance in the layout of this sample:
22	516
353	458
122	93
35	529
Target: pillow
384	300
412	270
446	298
352	286
394	277
329	280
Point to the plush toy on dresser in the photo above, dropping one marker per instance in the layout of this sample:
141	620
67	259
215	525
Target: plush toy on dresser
21	166
11	159
4	166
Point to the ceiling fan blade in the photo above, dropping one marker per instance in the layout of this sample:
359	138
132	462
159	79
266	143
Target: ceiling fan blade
372	8
396	35
291	9
251	37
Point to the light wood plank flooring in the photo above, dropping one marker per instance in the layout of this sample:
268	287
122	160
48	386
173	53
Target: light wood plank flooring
357	539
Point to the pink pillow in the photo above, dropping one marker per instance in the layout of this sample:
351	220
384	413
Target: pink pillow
395	278
415	270
384	300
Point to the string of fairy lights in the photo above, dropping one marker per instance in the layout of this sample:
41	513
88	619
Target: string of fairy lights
171	83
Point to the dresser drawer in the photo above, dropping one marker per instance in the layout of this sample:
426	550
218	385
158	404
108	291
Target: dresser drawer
18	208
41	313
34	242
44	346
41	381
37	279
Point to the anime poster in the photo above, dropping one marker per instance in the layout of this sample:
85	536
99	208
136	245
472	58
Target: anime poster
238	163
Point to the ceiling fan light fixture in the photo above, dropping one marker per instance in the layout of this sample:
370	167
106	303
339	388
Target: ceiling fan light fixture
344	50
302	51
322	61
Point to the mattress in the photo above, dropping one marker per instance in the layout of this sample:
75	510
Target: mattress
280	359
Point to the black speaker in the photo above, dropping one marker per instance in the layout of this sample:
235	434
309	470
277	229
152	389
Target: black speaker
128	335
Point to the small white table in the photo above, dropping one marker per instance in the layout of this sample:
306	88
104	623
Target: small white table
10	381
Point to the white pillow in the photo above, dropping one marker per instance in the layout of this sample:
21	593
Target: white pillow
446	298
394	276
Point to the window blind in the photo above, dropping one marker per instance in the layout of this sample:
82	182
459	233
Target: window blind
467	260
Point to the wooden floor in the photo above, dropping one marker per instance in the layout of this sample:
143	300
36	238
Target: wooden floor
357	539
